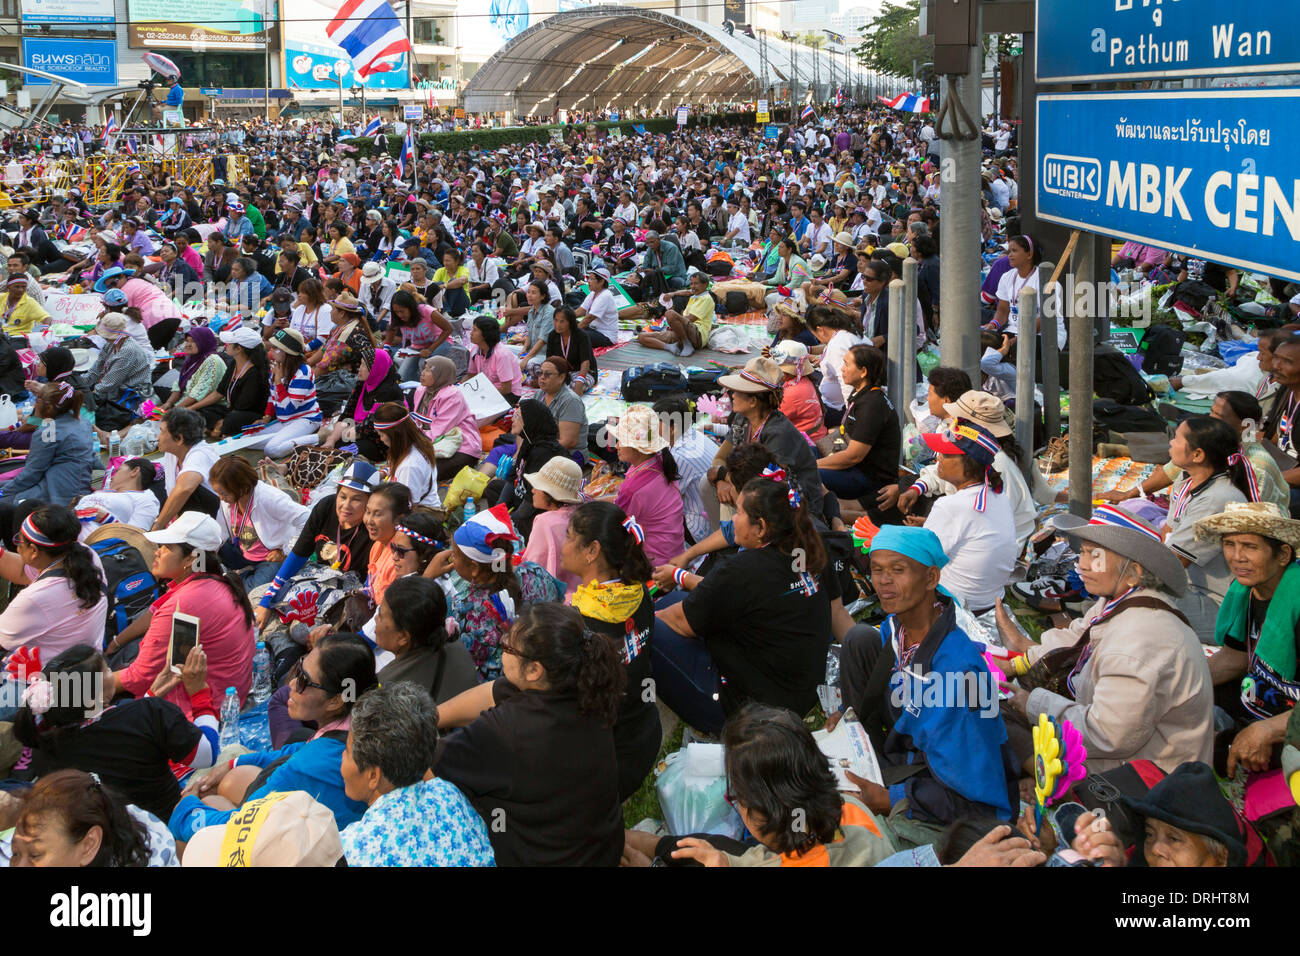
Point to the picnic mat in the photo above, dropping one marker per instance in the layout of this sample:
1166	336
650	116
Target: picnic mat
1108	474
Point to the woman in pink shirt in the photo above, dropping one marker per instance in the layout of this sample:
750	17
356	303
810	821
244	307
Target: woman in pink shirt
154	304
495	360
440	407
648	493
555	496
219	602
65	602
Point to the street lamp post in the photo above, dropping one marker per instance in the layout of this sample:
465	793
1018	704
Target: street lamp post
340	70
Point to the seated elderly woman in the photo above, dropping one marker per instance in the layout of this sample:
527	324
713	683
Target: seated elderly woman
1186	822
409	821
325	686
1258	629
889	678
1139	687
70	819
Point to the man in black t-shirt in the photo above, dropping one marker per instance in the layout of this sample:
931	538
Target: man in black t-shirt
869	461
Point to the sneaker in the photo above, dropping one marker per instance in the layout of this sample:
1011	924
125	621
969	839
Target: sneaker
1046	594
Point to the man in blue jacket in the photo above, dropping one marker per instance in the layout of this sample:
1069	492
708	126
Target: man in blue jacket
922	690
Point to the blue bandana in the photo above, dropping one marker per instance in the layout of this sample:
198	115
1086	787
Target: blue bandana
920	544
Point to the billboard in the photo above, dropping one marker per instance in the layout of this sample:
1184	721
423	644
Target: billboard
93	62
485	26
81	12
200	25
1097	40
1219	185
734	10
313	61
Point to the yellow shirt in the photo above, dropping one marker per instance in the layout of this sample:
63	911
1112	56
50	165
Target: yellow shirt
701	307
26	314
342	247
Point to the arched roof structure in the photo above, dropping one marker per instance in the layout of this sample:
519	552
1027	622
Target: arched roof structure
616	57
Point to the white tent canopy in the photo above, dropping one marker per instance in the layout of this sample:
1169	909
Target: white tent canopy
614	57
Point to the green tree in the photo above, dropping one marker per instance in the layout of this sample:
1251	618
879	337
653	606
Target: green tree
890	42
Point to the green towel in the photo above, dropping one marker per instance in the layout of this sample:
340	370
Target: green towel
1276	647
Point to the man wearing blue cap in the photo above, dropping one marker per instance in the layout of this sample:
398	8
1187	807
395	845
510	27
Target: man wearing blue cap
926	697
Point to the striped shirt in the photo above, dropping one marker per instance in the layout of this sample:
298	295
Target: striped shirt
295	400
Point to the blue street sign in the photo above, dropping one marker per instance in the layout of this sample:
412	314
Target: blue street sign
1220	185
1086	40
210	90
772	131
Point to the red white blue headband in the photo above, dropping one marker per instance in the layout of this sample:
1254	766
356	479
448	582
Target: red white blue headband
34	535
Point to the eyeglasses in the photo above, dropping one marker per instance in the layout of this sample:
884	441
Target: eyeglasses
515	651
398	550
301	680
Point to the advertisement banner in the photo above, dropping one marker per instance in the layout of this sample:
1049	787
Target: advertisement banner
82	12
1220	185
310	56
734	10
93	62
200	25
1101	40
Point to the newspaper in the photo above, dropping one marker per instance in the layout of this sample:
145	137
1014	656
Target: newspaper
848	747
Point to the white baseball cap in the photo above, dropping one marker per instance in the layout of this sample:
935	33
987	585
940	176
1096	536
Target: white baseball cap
243	336
193	528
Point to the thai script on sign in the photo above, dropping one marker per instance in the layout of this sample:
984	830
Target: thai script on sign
1195	131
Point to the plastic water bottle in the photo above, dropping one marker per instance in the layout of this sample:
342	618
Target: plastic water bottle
99	451
229	720
261	675
114	444
470	508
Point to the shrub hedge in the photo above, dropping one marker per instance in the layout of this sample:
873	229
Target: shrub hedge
512	135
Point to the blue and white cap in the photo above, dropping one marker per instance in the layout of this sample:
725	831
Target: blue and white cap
360	476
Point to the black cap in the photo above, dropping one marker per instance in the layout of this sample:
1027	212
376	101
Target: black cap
281	299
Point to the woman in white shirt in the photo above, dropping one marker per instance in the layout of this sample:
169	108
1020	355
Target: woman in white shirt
1024	254
311	313
412	460
128	499
484	271
599	312
834	330
263	521
974	523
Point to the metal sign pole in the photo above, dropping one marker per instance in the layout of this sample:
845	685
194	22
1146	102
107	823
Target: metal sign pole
1081	346
1027	305
894	350
907	357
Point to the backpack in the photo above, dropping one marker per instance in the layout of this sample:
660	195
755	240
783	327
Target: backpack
736	302
131	587
644	383
1113	417
1114	377
1163	348
704	381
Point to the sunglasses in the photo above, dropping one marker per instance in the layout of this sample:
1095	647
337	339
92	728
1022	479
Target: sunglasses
398	550
301	681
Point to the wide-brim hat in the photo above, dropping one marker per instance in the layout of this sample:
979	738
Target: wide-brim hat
561	478
844	239
1126	534
1263	518
982	408
759	375
371	271
639	428
791	354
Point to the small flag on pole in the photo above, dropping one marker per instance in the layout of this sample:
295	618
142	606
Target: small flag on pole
808	112
373	127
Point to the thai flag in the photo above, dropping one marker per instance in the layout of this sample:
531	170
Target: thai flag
373	127
110	127
370	33
400	168
408	151
839	96
808	112
908	103
128	146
